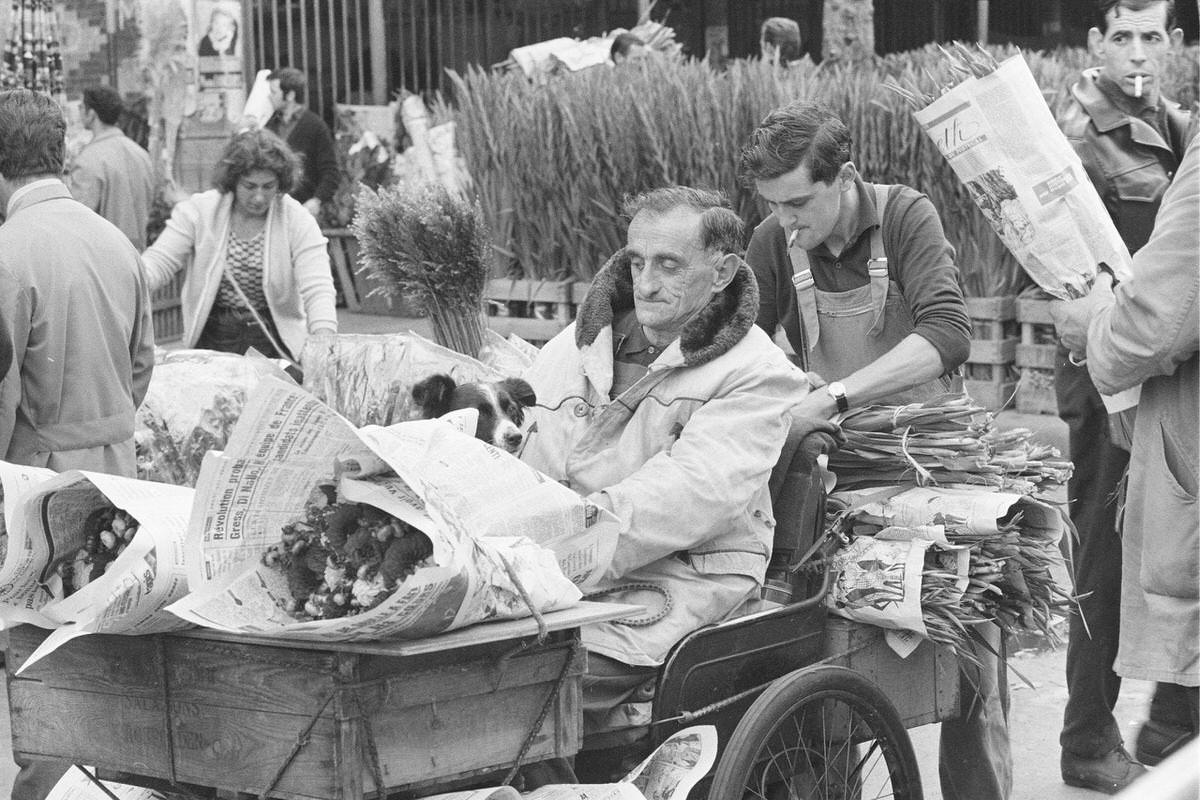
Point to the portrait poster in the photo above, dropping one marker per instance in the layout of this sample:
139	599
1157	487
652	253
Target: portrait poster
218	40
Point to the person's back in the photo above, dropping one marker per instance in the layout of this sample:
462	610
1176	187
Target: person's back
80	286
112	175
74	306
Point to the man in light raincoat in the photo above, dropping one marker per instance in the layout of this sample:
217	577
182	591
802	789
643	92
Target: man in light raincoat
667	405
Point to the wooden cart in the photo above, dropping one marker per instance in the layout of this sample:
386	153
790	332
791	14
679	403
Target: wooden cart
299	719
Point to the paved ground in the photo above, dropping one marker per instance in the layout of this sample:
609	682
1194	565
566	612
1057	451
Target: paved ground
1036	711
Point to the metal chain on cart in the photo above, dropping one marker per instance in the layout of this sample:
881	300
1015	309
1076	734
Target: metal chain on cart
551	699
369	746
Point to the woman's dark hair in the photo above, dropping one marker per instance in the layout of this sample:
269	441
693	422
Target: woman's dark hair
253	150
32	134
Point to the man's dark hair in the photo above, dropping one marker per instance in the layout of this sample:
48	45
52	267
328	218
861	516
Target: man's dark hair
32	134
253	150
783	33
291	80
721	230
802	132
622	44
105	101
1105	6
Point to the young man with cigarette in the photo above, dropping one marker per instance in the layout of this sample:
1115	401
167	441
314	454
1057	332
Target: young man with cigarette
859	280
1131	141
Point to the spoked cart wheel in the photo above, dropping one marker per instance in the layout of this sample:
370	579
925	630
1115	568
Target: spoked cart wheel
820	733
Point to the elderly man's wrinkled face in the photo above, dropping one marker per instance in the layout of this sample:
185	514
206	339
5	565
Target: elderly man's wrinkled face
1134	47
674	277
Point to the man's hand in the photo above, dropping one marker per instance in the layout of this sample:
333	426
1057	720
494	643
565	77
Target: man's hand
818	404
313	206
1071	317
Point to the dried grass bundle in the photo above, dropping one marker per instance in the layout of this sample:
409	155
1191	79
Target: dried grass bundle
433	247
947	440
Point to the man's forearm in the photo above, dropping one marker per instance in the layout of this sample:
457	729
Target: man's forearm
912	362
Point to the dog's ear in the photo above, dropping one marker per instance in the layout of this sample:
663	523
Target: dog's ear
432	395
520	390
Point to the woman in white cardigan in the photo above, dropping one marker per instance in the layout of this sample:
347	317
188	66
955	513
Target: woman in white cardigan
255	261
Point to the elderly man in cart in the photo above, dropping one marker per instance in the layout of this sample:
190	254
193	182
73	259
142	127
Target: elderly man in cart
858	281
664	404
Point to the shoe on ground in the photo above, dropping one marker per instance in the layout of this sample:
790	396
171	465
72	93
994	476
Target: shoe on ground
1109	773
1157	740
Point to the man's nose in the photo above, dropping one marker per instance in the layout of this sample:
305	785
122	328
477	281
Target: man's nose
1138	51
647	282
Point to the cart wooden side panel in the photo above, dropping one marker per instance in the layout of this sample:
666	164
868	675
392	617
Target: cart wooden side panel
923	687
228	714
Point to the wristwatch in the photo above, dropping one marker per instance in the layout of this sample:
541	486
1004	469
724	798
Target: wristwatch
838	393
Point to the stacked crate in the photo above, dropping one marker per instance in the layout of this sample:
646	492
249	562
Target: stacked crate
166	311
534	310
990	379
1035	357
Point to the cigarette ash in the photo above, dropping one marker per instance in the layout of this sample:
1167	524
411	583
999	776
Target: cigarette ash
107	532
344	558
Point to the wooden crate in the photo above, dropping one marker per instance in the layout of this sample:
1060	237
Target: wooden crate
1035	357
989	377
534	310
224	711
923	687
166	311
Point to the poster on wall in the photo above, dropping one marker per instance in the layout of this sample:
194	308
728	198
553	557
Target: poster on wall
220	84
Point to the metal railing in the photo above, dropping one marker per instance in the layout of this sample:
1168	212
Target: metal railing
365	51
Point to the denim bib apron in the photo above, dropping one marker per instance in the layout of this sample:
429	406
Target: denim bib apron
843	332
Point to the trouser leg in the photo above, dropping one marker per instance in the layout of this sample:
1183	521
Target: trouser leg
975	760
616	699
1089	728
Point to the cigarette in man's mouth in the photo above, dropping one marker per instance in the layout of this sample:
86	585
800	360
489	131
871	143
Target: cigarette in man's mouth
792	238
1137	86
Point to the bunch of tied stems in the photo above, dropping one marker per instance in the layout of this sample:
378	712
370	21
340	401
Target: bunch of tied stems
946	440
1008	581
423	242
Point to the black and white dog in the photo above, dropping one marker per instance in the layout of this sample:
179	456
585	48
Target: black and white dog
501	405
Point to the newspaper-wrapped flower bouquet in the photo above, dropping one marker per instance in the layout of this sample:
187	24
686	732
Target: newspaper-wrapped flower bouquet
305	527
994	128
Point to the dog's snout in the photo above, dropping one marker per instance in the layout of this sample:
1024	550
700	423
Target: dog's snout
512	439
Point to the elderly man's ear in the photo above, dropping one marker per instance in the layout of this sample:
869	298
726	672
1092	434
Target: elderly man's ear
727	267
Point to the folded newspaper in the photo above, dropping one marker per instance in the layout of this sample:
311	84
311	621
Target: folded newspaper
21	598
997	133
97	554
668	773
305	527
194	399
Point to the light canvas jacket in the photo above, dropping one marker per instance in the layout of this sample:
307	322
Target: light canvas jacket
1151	333
114	177
75	306
297	280
683	455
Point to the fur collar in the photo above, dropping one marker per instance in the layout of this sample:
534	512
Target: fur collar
723	323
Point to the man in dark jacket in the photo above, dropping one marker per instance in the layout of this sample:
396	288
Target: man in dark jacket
1130	140
308	135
